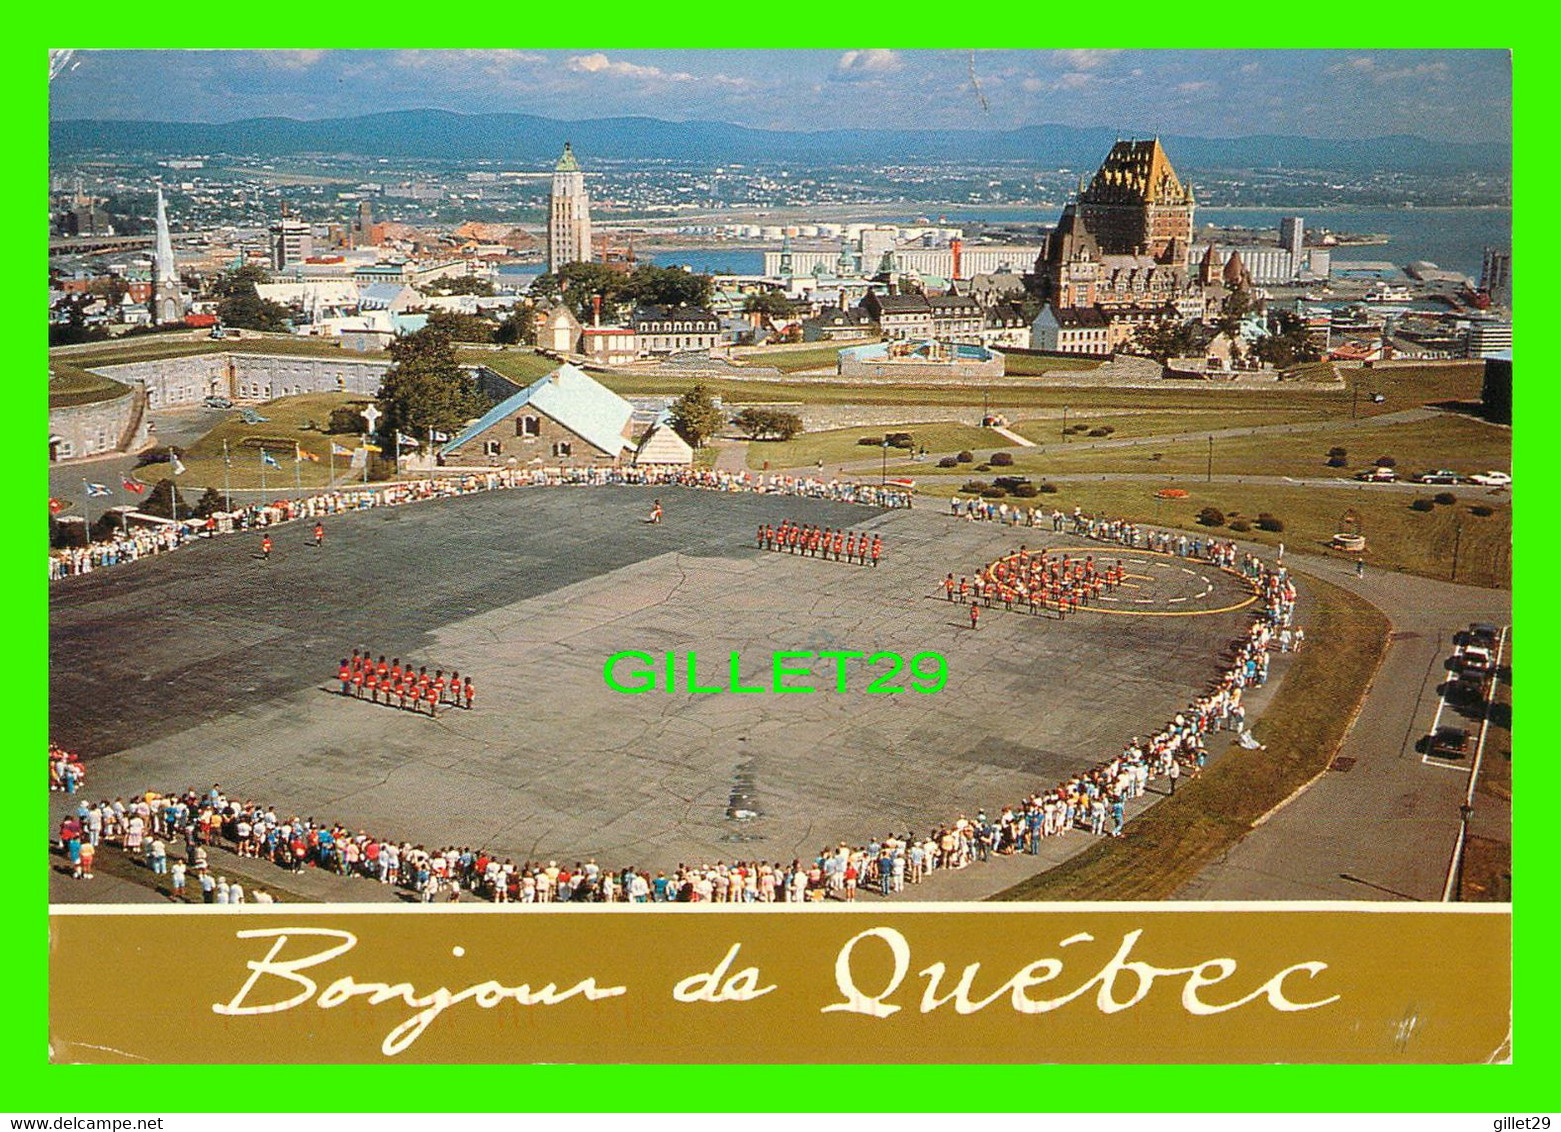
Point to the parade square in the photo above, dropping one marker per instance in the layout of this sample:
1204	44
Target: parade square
215	666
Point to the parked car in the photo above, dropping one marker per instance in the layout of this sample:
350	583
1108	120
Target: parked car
1492	479
1482	634
1441	475
218	403
1449	743
1476	659
1467	689
1378	475
218	332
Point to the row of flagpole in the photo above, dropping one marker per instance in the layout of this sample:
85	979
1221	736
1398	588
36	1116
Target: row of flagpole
267	460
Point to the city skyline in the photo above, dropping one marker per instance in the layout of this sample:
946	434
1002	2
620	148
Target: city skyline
1449	95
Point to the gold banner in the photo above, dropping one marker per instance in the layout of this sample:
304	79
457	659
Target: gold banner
1124	983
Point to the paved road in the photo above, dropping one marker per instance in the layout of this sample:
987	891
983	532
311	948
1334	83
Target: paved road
1385	828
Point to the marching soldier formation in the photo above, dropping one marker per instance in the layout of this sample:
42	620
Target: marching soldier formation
821	542
393	683
1036	582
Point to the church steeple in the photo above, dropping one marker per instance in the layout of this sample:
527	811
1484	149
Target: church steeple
168	305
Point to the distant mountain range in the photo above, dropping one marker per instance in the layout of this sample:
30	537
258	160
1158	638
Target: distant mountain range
531	139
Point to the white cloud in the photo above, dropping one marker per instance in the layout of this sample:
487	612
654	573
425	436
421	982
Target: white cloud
291	60
866	64
599	64
1194	86
1084	60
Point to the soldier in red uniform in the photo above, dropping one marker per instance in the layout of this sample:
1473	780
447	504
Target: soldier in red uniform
344	674
877	549
265	548
975	614
468	692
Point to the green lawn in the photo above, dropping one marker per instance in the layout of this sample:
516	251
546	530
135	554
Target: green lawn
1397	538
1150	423
517	364
1025	365
153	350
839	446
288	421
1168	845
1448	441
72	385
791	361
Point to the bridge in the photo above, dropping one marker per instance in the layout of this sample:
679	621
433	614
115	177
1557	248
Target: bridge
74	245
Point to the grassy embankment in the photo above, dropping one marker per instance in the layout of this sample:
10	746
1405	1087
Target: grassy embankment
71	385
1168	845
289	420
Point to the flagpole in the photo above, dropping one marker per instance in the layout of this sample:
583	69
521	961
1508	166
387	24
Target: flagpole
86	507
227	491
366	455
262	476
298	468
332	472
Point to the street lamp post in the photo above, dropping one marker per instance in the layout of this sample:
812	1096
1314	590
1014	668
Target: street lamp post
1209	475
1065	423
883	477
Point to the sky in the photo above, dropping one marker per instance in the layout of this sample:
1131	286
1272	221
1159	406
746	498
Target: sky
1445	95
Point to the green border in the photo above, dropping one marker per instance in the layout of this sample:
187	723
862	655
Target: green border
31	1083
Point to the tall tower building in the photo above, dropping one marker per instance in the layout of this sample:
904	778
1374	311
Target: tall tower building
168	300
569	217
291	242
1292	237
1496	275
1136	205
363	226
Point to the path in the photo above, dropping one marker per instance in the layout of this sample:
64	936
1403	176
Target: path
1021	441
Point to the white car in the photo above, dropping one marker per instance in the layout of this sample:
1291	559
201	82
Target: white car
1492	479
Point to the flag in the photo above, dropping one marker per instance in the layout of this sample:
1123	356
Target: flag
178	465
340	449
372	448
57	505
405	441
133	484
305	454
96	490
437	437
268	460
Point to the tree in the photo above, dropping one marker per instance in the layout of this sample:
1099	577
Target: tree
460	285
771	303
667	287
695	417
74	328
240	305
426	387
161	500
462	327
769	424
1288	345
576	283
210	503
1165	339
517	329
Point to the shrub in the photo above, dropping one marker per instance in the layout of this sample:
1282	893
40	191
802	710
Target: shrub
948	462
1445	498
1337	453
769	424
210	503
1026	491
159	455
1336	461
346	419
870	441
1078	428
1106	429
1241	525
1002	460
1386	462
1423	505
900	440
1100	432
994	493
1048	489
974	487
1211	517
1482	510
966	457
983	467
1267	522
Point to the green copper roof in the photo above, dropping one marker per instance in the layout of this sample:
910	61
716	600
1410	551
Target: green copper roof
567	163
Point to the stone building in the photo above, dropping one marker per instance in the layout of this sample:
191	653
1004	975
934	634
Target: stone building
565	419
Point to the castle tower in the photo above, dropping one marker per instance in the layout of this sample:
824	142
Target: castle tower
1136	205
569	215
168	300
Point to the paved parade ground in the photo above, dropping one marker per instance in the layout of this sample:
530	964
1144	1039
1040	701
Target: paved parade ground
210	665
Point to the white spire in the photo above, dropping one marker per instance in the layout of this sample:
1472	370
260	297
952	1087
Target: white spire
166	272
